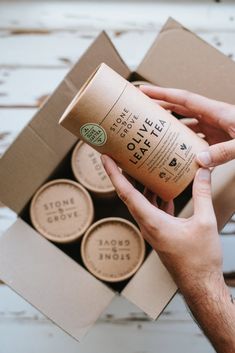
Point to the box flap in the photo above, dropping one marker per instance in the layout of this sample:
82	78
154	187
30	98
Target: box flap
223	194
50	280
179	58
41	146
152	287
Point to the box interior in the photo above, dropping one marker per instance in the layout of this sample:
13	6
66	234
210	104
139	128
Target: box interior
102	210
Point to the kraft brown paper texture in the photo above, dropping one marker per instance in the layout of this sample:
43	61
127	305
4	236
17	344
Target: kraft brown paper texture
145	140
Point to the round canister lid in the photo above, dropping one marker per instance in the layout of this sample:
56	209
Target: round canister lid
113	249
89	171
61	210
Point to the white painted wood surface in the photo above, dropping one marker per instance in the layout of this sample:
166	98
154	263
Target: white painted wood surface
39	42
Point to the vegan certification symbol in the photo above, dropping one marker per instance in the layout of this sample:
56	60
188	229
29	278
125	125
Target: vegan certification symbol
173	162
94	134
162	175
183	147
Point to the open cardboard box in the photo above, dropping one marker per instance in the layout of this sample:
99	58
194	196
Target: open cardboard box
35	268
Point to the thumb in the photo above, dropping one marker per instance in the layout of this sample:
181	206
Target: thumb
202	199
217	154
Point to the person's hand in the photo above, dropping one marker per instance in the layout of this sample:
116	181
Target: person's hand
215	120
189	248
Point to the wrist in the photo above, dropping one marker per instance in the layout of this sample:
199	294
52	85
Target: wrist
206	286
210	302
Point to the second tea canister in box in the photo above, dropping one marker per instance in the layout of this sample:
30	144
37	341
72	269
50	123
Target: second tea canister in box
61	210
89	171
113	249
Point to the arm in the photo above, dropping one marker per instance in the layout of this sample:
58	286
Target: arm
191	251
211	304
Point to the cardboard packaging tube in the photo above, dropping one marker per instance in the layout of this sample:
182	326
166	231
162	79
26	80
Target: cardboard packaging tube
89	171
61	210
145	140
113	249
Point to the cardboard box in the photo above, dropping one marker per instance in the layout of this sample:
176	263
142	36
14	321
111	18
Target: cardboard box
35	268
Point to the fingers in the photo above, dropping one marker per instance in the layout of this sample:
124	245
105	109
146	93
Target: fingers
176	108
137	204
129	178
151	197
168	207
192	124
203	207
217	154
196	103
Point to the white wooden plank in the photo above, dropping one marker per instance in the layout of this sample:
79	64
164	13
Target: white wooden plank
28	87
62	49
121	328
90	15
37	50
39	82
12	121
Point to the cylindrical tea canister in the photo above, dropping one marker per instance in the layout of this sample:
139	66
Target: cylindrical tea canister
89	171
61	210
145	140
113	249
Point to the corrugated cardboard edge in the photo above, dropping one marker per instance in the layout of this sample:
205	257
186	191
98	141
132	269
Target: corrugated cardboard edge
51	281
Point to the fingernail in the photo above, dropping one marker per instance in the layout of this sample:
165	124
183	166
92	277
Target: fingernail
204	158
232	131
204	174
103	159
144	86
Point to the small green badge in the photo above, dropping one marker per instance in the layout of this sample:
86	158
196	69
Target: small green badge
94	134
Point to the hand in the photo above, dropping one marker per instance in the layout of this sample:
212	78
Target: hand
189	248
215	120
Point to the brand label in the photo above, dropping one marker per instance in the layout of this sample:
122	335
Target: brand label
94	134
60	210
117	250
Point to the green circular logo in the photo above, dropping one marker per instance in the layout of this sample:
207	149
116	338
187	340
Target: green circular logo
94	134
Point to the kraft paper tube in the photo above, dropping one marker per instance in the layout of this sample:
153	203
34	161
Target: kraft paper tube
61	210
146	141
113	249
89	171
